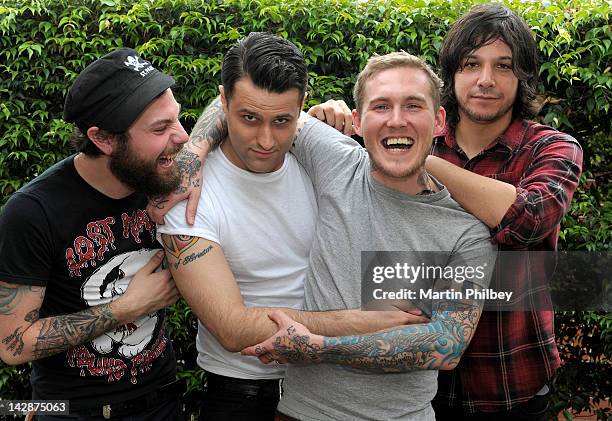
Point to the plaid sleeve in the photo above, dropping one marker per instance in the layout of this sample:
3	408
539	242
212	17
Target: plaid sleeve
544	193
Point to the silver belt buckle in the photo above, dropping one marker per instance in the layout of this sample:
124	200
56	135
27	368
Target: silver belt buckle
106	412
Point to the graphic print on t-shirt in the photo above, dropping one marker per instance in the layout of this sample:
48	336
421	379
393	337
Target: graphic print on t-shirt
103	259
105	285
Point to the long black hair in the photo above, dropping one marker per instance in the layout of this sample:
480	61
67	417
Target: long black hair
482	25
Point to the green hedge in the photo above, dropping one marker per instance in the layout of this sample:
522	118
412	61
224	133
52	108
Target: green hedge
44	44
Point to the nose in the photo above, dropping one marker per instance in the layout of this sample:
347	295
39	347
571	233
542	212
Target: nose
396	118
485	77
265	139
181	135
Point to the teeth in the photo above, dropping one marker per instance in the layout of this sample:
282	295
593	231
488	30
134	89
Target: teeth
168	157
399	141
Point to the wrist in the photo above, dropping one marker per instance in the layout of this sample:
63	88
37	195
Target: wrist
123	311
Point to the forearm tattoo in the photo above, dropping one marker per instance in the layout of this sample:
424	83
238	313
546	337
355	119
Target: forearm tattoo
177	246
14	342
56	334
189	165
426	346
60	333
211	127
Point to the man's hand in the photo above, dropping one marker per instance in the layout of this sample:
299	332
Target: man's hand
336	114
189	164
148	292
293	343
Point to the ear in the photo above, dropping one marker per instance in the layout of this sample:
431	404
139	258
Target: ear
223	98
104	142
304	101
440	121
357	123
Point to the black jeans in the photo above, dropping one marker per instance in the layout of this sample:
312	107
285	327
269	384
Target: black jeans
228	398
535	409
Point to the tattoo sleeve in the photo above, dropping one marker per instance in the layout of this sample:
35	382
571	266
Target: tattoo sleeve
60	333
211	127
48	336
428	346
435	345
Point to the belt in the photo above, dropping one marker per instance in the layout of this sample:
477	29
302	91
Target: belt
245	386
136	405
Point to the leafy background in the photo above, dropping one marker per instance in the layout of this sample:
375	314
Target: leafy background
44	44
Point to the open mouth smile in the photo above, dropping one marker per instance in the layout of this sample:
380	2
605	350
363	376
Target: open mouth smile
398	143
167	160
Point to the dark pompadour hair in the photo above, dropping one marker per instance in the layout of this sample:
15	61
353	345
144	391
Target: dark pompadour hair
482	25
270	62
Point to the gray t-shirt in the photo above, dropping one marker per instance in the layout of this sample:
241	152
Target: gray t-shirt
357	213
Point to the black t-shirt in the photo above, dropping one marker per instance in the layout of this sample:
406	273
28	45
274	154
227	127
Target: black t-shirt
85	247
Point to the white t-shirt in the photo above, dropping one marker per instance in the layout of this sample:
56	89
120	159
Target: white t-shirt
265	224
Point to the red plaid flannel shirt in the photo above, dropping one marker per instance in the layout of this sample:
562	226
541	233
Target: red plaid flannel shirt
513	354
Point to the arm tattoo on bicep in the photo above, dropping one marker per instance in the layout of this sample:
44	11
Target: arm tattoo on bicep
11	295
177	245
211	127
60	333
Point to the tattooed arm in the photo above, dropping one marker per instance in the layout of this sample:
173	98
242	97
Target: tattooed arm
437	345
25	337
208	132
205	280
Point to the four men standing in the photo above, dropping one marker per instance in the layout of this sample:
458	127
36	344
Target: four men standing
514	175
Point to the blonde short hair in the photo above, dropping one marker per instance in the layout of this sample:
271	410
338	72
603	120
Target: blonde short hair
377	64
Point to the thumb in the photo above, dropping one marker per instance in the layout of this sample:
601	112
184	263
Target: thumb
190	212
279	318
249	351
192	204
414	311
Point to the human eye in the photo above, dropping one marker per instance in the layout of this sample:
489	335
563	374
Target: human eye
505	66
415	106
470	64
159	129
249	118
380	107
281	120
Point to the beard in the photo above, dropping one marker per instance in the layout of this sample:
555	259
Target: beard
484	117
405	173
142	175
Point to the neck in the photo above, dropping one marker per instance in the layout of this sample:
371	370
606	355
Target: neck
474	136
417	183
95	170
